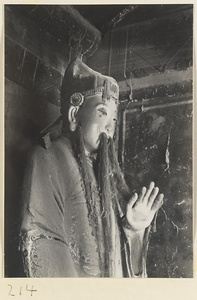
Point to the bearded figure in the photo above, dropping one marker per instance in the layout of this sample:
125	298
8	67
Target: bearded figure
79	218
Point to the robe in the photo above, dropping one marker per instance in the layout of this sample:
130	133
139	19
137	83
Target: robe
57	238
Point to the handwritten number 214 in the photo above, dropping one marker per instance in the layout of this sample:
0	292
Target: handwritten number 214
21	290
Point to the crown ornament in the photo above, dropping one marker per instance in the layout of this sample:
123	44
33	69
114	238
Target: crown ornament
76	99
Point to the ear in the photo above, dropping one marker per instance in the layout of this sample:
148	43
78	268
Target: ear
72	117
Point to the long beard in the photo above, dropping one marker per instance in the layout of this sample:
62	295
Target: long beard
113	190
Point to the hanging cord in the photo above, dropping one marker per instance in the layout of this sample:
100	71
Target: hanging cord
128	82
110	53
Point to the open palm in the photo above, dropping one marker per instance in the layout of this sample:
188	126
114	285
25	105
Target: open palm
141	209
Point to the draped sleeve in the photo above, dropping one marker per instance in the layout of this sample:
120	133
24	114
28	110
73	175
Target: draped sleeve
44	229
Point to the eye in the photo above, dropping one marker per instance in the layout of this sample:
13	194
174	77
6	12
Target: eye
115	123
102	111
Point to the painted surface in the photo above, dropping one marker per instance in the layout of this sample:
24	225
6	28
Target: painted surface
158	147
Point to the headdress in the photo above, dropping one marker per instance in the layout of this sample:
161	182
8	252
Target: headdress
81	81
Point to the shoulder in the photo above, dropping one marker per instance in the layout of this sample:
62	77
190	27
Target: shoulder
61	147
59	157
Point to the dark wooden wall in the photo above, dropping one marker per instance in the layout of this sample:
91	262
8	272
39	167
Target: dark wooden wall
152	61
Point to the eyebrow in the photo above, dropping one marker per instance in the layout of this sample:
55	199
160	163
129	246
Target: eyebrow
98	104
103	104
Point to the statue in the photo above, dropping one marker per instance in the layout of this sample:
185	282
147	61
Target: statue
79	218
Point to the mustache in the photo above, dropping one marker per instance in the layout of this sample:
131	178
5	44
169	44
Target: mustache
104	140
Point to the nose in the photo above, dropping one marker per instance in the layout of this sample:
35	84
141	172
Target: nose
109	129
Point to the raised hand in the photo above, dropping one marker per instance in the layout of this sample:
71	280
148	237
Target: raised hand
141	209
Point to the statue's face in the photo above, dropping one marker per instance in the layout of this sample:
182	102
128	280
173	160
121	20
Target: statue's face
97	116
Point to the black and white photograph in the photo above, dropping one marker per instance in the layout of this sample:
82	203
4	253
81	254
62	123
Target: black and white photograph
98	126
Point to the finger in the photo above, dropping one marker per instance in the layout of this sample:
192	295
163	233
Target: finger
153	195
143	192
158	202
149	191
133	200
